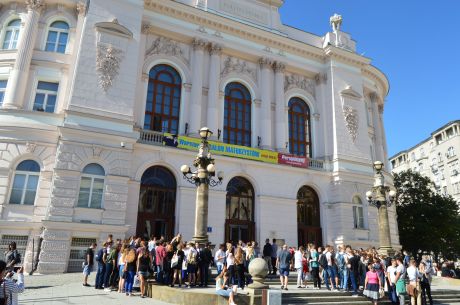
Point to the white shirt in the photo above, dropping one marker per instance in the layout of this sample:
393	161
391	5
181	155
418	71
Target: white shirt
392	272
298	259
412	273
328	257
219	257
401	269
230	259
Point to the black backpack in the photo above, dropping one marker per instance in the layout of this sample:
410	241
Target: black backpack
323	260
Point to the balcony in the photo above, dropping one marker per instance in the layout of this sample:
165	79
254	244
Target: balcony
150	137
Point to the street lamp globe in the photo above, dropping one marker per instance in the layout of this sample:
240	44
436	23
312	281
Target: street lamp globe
185	169
205	133
220	175
211	168
378	165
392	194
369	195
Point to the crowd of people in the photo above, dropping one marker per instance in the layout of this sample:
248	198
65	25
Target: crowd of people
9	287
178	263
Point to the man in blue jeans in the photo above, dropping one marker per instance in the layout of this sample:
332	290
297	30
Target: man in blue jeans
353	262
330	270
283	263
100	266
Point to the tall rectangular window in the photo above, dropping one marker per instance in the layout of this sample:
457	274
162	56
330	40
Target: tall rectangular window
45	96
358	217
2	90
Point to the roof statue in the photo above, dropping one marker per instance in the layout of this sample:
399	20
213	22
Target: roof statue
336	22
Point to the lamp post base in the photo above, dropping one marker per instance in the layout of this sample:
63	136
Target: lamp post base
387	251
201	239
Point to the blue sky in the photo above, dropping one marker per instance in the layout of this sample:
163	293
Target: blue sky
415	43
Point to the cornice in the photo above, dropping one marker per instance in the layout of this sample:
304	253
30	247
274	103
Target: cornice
202	18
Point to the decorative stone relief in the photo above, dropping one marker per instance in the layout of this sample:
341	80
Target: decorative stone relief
215	49
108	61
81	8
199	44
35	4
202	29
237	65
279	67
351	121
96	151
336	22
298	81
30	147
146	27
166	46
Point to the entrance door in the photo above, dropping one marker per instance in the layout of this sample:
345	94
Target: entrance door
239	223
157	202
308	217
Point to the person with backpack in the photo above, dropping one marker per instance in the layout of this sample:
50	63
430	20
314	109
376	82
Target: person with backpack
88	264
327	261
205	261
191	258
342	269
100	259
12	256
267	255
9	288
353	265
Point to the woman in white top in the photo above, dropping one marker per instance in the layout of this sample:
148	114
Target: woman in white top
222	290
121	266
414	287
298	256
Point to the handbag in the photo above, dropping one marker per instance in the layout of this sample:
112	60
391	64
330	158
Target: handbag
174	261
381	293
184	265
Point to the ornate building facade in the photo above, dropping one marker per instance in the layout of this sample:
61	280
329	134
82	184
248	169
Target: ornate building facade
100	106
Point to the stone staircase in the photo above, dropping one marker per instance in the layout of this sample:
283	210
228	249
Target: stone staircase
296	296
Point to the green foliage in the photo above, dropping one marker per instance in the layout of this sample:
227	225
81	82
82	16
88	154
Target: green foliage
428	222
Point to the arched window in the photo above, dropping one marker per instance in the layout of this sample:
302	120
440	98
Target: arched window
308	216
163	100
10	40
25	183
239	210
237	115
91	187
358	215
299	128
58	35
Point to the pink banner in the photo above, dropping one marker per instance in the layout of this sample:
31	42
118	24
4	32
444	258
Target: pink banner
297	161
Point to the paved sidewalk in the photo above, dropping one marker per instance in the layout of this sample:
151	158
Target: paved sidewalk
67	288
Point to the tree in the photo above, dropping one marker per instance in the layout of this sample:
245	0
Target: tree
428	222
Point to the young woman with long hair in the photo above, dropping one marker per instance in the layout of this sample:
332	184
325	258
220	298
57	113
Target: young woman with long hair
239	266
143	265
177	269
221	290
121	265
130	271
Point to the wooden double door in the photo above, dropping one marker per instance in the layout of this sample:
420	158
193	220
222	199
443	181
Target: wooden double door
308	217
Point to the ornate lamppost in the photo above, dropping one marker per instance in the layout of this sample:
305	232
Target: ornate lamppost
382	197
203	177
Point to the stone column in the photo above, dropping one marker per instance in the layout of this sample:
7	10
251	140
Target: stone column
15	89
265	118
280	108
213	92
378	145
384	231
197	86
201	209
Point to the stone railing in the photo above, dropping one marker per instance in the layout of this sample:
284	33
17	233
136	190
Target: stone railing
151	137
316	164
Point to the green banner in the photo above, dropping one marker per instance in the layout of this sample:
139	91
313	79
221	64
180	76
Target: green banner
220	148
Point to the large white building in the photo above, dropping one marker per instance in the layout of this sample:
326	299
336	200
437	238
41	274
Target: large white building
436	158
88	90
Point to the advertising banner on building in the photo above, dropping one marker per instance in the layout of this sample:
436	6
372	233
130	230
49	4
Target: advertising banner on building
224	149
297	161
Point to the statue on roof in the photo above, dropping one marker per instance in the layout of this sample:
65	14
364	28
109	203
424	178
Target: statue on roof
336	22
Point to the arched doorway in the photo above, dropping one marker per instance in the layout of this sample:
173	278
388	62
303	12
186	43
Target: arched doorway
157	202
308	217
239	220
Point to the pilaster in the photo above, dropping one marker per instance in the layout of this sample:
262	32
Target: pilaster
266	89
199	46
280	109
215	51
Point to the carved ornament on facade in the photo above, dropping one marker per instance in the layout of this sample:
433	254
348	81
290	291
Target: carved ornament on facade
166	46
237	65
81	8
351	121
96	151
336	22
215	49
35	5
321	78
199	44
146	27
279	67
298	81
30	147
108	61
265	63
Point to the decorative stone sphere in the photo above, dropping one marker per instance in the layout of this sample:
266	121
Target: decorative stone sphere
258	268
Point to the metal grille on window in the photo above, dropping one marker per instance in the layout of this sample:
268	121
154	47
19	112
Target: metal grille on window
78	248
21	243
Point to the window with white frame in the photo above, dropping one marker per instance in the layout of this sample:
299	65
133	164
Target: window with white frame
439	157
412	156
25	183
358	214
3	83
58	35
450	152
91	187
454	170
45	96
10	40
456	187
